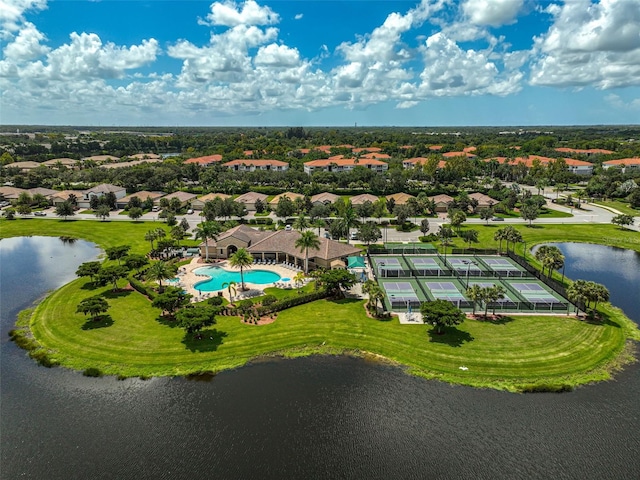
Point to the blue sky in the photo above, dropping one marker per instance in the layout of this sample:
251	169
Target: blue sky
248	63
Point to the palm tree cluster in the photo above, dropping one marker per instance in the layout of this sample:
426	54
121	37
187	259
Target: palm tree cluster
550	257
375	292
508	233
587	293
206	231
484	296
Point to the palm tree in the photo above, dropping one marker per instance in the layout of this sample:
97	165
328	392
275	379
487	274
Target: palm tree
348	219
298	279
476	295
318	223
177	233
160	271
151	236
301	223
376	295
307	240
241	259
577	292
494	294
500	235
231	287
206	231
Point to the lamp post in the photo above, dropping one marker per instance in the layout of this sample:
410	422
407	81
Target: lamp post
468	264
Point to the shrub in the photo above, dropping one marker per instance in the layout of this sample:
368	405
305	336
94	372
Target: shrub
432	237
215	301
291	302
142	288
92	372
269	300
544	388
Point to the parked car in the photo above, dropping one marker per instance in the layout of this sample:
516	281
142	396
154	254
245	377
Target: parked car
190	211
287	228
353	236
497	219
327	235
40	214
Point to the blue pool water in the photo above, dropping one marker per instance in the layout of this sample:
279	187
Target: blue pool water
220	275
285	279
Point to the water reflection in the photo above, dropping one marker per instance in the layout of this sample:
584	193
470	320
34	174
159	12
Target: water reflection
320	417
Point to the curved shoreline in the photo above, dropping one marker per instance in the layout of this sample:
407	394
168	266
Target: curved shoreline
355	334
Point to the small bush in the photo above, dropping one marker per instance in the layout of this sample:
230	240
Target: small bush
92	372
544	388
42	358
215	301
432	237
269	300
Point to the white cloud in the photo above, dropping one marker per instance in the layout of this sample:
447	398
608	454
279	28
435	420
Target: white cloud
596	44
298	16
492	12
618	102
26	45
277	56
12	12
229	14
407	104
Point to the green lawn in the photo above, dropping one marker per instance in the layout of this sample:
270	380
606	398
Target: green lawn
518	352
622	207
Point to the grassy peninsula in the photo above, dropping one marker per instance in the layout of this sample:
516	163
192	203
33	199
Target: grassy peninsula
517	353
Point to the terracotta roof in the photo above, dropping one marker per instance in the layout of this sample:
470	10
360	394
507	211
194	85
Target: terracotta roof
375	155
284	241
63	161
325	197
367	149
205	160
623	161
342	162
210	196
257	163
47	192
400	198
291	195
23	165
101	158
182	196
590	151
360	199
104	188
483	199
143	195
11	192
419	160
442	198
251	197
577	163
458	154
142	156
435	147
469	149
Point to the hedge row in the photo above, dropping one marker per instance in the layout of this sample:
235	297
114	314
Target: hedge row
292	302
142	288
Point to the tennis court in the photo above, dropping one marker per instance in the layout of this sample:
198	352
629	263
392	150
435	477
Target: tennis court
388	266
401	294
504	267
509	301
462	265
540	297
428	266
447	291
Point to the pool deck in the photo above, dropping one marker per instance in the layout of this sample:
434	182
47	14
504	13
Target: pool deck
188	278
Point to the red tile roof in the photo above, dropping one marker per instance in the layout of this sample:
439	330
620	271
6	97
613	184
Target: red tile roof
257	163
342	162
623	161
209	159
591	151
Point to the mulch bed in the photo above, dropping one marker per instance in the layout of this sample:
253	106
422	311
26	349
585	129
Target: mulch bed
263	321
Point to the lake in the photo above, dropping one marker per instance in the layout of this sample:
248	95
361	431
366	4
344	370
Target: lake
317	417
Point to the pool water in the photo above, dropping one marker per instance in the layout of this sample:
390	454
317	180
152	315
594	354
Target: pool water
218	276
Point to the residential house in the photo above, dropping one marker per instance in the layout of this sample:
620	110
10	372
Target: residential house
340	164
100	191
23	166
143	195
400	198
442	202
587	152
45	192
364	197
101	158
130	163
290	195
579	167
10	193
459	154
247	165
198	203
184	197
324	198
249	200
61	162
484	201
145	156
64	195
417	161
626	164
204	161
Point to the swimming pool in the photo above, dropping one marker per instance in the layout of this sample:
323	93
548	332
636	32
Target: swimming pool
218	276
